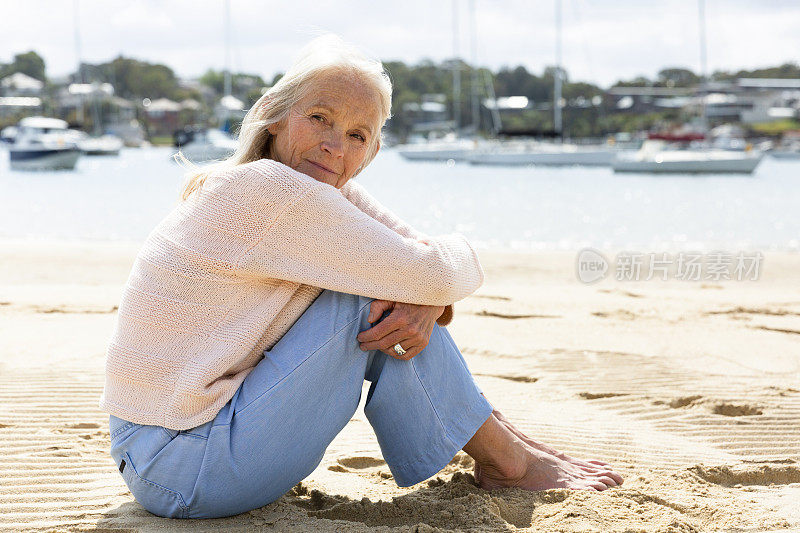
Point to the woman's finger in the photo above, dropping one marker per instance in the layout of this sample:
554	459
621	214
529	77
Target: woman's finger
387	341
408	345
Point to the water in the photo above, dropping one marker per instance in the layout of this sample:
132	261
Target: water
122	199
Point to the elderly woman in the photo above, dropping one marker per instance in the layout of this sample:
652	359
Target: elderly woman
256	309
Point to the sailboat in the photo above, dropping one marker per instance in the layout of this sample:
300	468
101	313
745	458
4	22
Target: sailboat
200	145
452	146
655	157
547	153
97	143
659	157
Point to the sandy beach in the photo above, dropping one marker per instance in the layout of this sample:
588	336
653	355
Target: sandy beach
691	389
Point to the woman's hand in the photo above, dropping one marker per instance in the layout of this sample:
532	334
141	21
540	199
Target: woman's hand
408	324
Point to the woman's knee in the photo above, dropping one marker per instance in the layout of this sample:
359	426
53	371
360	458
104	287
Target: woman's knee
348	306
349	300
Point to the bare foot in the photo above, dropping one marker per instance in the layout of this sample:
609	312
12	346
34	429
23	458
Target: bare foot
539	471
600	467
573	471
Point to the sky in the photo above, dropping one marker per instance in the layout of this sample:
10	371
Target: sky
602	40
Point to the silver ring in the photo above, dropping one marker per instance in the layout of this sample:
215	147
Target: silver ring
399	349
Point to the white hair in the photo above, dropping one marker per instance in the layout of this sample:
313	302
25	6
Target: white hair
325	54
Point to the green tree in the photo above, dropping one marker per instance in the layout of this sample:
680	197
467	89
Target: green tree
677	77
29	63
241	83
138	79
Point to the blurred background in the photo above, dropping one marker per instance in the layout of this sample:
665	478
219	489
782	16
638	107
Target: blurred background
530	125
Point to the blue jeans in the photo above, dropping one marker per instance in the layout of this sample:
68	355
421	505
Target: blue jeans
274	431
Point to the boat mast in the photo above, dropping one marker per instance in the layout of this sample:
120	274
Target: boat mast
497	124
557	125
79	111
474	59
701	5
227	48
456	71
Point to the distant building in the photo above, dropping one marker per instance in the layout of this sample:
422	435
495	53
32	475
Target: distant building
11	106
19	84
429	114
647	99
73	96
745	100
162	116
229	111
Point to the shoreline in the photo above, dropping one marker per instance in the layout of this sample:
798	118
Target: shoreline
689	389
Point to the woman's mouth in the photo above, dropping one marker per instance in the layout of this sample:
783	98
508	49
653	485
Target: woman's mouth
321	167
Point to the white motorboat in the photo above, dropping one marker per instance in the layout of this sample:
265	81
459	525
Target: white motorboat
787	150
103	145
546	154
8	134
43	144
205	145
655	158
457	150
786	153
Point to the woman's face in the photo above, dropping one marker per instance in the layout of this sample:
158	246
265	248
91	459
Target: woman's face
328	132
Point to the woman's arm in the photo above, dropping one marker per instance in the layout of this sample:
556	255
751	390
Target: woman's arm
312	234
358	196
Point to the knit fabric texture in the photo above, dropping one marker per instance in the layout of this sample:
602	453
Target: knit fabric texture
229	270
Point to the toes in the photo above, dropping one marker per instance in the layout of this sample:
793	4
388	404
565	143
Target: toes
598	485
608	474
608	481
616	477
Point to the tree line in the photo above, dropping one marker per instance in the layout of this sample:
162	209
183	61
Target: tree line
587	112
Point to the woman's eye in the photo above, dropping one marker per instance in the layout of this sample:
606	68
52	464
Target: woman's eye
318	117
359	137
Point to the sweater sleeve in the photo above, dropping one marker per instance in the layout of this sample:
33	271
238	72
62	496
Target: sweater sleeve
321	238
360	197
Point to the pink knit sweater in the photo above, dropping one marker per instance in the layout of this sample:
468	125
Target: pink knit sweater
226	274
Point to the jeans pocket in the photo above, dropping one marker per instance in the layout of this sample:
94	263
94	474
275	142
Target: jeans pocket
120	429
156	498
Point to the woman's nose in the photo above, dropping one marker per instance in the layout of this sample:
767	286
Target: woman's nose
334	145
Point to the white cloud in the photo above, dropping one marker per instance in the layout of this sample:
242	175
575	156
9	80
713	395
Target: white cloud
603	40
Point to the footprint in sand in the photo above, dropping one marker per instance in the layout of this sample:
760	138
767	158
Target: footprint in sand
679	403
779	330
83	425
57	451
512	316
753	311
599	395
778	390
491	297
729	409
762	473
619	291
368	466
517	378
623	314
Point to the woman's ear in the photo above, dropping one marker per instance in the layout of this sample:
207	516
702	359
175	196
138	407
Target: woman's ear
275	127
